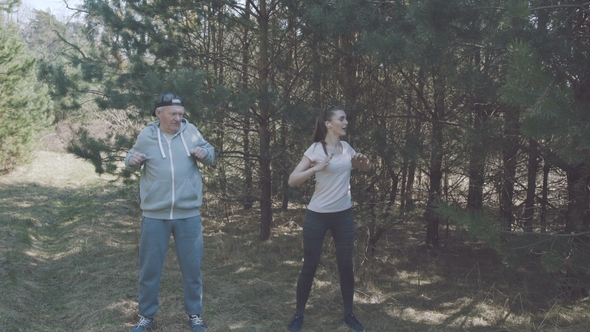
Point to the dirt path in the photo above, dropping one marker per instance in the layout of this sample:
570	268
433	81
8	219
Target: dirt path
63	231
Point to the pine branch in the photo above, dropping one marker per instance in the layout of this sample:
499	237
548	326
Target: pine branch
70	44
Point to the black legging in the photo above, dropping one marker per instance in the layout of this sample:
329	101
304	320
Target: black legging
341	226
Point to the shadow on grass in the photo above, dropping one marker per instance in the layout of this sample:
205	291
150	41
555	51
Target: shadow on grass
68	262
402	288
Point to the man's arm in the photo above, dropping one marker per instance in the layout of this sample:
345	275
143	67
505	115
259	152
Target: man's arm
203	152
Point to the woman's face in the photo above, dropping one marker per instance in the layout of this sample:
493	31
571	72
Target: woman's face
338	124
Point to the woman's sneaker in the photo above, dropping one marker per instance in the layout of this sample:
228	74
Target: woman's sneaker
144	324
351	321
196	323
296	323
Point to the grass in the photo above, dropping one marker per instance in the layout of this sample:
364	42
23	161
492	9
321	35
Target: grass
68	262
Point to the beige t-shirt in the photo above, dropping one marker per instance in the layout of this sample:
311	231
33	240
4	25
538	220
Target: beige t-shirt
332	185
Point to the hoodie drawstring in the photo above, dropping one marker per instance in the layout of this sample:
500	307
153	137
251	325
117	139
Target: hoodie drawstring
162	148
160	143
184	143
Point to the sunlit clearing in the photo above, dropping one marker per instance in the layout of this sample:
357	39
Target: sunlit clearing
242	270
415	278
291	263
419	316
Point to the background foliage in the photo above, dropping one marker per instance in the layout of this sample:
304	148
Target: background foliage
25	107
473	113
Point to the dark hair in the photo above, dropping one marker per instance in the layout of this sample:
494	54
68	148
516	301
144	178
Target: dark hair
321	130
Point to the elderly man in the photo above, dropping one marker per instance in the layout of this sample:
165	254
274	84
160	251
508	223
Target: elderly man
171	195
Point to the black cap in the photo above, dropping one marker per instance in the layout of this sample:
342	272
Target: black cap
167	99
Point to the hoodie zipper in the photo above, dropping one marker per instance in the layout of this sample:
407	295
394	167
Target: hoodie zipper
173	179
173	198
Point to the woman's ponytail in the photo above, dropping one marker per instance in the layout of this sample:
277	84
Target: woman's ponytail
320	132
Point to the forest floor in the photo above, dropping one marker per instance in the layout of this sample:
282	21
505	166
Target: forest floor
68	262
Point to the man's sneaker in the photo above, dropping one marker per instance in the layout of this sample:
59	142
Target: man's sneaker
144	324
296	323
196	323
351	321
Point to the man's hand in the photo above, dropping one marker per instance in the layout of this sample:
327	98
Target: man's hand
199	153
136	159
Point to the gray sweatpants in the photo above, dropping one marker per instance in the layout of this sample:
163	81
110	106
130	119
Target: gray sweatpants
153	244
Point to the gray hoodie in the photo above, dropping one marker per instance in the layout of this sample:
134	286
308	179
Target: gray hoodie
170	186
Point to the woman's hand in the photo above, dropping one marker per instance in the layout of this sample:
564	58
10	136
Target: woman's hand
323	164
303	171
361	162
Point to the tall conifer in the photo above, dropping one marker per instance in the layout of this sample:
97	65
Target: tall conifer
25	108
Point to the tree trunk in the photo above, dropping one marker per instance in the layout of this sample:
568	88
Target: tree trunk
263	129
247	203
408	164
478	153
544	195
435	168
377	231
529	203
578	198
283	166
477	163
509	152
217	38
348	64
247	166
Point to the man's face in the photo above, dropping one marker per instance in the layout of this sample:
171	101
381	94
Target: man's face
170	118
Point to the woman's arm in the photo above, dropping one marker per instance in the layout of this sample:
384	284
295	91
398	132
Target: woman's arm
303	172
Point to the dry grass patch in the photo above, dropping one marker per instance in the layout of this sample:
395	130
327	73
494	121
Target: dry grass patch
68	262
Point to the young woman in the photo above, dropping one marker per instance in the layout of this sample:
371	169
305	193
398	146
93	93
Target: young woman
330	208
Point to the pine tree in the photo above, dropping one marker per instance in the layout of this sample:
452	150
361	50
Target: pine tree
549	78
25	107
542	81
55	45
